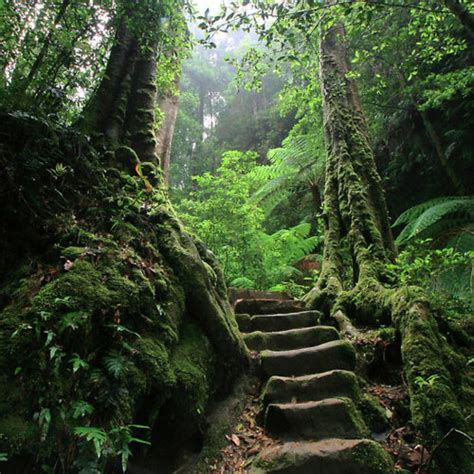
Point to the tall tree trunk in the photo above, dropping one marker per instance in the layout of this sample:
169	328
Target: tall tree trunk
355	212
457	185
168	103
359	212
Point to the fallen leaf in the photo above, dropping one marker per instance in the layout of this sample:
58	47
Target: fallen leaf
235	439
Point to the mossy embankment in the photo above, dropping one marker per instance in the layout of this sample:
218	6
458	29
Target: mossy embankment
109	311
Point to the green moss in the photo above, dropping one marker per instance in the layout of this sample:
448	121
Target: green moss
373	457
281	461
71	253
373	414
17	435
81	288
434	406
211	273
193	365
153	358
356	417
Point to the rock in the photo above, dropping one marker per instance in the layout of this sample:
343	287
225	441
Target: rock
315	420
285	321
335	383
330	456
236	294
268	306
290	339
243	320
311	360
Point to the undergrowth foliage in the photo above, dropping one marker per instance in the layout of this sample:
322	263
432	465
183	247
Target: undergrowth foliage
91	310
224	213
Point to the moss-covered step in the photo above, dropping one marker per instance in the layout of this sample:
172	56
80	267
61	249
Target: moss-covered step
268	306
284	321
290	339
236	294
244	322
334	383
328	356
331	417
330	456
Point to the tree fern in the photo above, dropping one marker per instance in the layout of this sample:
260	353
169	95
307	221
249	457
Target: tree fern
447	216
298	163
449	221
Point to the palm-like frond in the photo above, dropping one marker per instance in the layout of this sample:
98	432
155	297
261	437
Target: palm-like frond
447	215
298	163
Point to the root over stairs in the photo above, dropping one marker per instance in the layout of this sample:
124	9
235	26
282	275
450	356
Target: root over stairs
311	394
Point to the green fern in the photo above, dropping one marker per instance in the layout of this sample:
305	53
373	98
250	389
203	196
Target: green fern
446	224
116	364
299	163
442	217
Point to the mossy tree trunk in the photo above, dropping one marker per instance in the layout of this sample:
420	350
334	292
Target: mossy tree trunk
123	112
355	212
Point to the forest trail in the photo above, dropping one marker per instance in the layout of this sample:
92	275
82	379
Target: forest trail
310	393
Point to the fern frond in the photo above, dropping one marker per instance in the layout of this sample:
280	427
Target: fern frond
435	217
299	162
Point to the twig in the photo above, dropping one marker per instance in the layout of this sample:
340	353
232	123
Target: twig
443	439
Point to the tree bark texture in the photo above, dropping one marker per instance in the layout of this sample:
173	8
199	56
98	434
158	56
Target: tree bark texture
168	102
355	213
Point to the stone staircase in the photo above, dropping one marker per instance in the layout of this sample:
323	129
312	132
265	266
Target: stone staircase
311	393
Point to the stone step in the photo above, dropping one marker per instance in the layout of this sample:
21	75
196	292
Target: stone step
284	321
335	383
329	456
268	306
328	356
243	320
235	294
290	339
331	417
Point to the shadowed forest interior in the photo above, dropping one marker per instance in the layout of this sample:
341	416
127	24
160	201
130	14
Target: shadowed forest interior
237	237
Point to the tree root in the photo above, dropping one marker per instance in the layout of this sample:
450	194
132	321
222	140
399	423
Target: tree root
434	372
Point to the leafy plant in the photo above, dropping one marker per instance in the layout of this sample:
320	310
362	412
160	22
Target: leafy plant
116	364
96	436
223	213
445	219
444	272
115	443
427	383
299	163
3	457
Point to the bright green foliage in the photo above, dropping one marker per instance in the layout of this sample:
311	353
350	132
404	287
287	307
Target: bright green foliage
444	272
298	164
438	218
223	213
